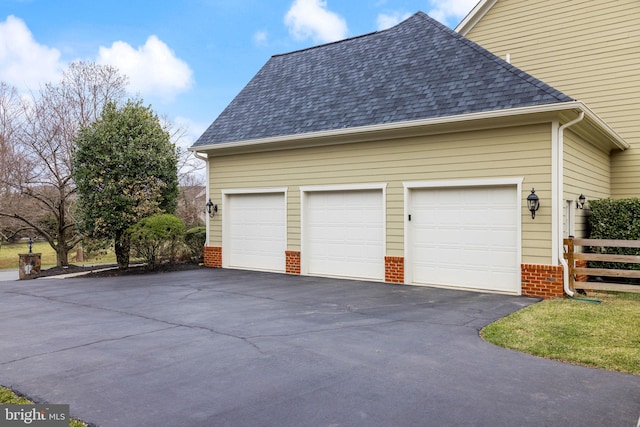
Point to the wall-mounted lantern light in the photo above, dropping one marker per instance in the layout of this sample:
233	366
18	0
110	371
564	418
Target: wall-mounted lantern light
580	202
533	202
211	208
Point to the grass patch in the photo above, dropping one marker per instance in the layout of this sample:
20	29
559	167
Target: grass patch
605	335
8	397
9	255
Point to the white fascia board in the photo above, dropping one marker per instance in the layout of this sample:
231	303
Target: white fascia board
344	187
473	17
413	127
481	182
265	190
600	124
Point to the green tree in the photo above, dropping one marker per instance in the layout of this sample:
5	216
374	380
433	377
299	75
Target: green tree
37	134
125	169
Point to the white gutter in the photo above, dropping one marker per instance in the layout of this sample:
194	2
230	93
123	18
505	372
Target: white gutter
364	132
207	196
344	132
200	156
559	246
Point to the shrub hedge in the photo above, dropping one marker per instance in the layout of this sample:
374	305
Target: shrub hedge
156	238
194	240
615	219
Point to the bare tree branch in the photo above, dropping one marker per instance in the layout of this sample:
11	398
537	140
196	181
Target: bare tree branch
37	144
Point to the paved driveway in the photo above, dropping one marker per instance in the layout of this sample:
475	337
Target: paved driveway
7	275
235	348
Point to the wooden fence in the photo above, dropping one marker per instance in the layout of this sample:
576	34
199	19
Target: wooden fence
579	275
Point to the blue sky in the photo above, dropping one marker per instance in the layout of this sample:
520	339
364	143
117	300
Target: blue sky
186	58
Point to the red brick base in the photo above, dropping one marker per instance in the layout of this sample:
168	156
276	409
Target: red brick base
213	256
543	281
394	269
293	262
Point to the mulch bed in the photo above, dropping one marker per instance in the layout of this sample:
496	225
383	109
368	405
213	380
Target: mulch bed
114	272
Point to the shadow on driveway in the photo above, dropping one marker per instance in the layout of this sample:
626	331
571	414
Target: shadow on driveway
216	347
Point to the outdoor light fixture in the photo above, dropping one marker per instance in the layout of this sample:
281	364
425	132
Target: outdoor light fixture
30	243
533	202
211	208
580	202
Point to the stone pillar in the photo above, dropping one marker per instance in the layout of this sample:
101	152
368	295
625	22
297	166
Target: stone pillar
30	265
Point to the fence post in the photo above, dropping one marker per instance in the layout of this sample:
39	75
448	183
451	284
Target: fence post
570	261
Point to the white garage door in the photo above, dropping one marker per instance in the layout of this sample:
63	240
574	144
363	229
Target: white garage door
465	237
257	234
344	234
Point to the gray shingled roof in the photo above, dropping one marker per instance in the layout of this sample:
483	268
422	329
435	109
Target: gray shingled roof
418	69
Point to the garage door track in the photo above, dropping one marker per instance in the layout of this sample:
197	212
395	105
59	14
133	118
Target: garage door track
235	348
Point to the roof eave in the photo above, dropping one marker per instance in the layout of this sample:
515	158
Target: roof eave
473	17
602	129
437	125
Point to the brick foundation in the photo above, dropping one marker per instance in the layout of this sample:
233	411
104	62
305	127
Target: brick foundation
213	256
394	269
293	262
543	281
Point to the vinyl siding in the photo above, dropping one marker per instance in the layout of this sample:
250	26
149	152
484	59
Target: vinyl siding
590	50
509	152
586	171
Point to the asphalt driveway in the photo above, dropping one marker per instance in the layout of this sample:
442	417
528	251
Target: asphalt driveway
235	348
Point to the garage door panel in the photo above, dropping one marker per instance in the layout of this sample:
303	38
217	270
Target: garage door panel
345	234
465	237
257	231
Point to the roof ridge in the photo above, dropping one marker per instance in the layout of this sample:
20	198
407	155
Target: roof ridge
414	70
419	13
328	44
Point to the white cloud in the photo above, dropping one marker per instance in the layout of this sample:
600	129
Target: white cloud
311	19
450	12
153	69
385	21
23	62
261	38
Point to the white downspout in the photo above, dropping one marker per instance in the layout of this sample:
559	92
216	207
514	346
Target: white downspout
207	196
560	202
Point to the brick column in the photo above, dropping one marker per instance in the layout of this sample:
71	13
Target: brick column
543	281
293	262
213	256
394	269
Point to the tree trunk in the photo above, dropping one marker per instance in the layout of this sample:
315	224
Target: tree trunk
62	255
122	247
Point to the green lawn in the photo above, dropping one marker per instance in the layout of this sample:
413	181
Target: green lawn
9	255
605	335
